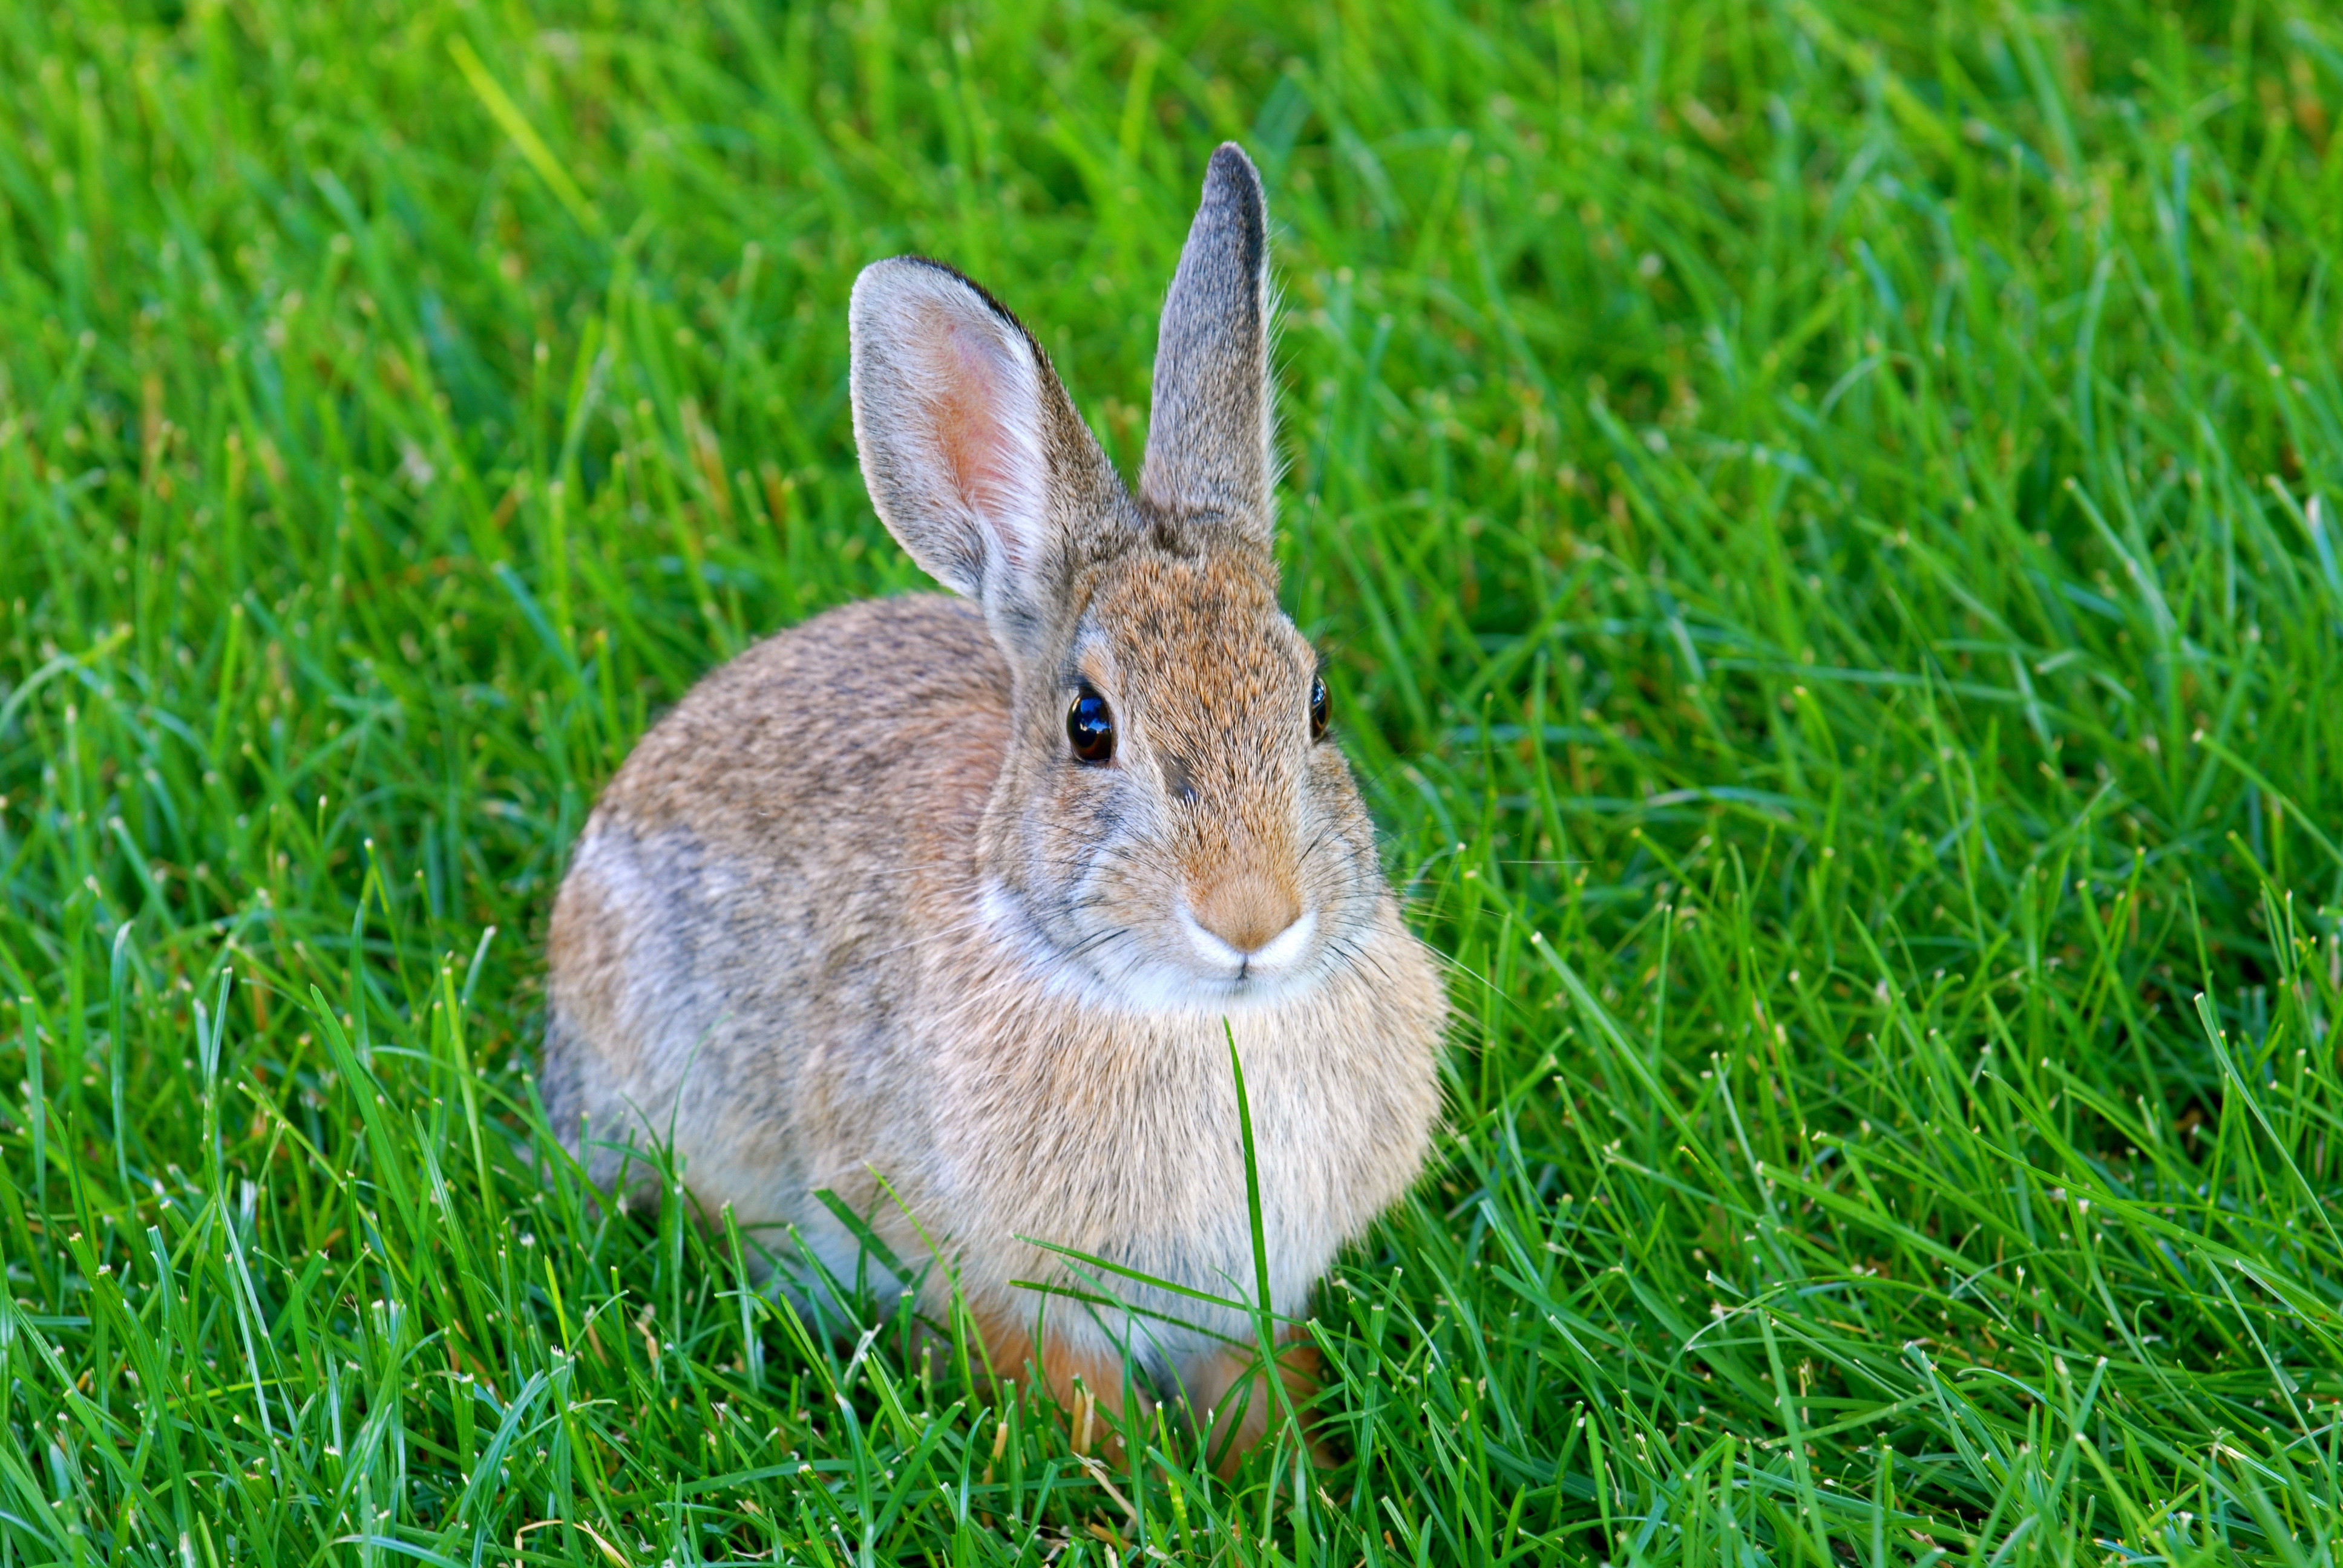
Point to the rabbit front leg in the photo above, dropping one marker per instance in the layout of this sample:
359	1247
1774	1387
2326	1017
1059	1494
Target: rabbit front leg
1088	1386
1235	1405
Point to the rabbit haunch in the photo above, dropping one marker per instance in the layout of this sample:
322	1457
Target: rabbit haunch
854	913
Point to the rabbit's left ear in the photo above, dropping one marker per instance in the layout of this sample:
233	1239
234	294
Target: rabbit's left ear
1210	434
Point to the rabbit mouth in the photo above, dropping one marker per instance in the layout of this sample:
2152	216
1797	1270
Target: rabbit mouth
1188	967
1275	959
1216	979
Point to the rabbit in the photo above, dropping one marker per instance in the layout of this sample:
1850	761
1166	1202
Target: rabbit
951	904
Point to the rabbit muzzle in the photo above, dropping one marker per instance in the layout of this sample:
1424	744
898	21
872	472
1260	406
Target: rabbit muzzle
1249	918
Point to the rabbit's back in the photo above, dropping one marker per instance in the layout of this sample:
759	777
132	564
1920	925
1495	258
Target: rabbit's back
724	956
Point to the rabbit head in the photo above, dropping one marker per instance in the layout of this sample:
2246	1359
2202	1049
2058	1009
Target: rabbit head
1171	828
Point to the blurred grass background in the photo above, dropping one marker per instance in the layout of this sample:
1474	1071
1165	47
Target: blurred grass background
1818	513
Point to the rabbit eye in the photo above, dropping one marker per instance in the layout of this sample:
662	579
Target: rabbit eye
1317	708
1089	727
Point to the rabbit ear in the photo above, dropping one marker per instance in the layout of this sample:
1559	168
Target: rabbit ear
968	443
1209	435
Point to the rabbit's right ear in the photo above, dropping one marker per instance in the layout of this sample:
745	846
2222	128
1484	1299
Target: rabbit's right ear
968	443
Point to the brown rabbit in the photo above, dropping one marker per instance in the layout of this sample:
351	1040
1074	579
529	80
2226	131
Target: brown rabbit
956	893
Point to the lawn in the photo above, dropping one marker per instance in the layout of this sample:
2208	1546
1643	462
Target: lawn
1821	526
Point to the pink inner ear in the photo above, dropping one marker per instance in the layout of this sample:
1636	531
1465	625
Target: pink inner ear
971	404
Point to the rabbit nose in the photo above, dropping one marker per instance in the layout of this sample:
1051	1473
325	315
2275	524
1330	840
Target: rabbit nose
1248	911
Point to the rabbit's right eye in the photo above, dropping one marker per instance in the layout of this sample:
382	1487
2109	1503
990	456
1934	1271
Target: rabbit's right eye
1090	728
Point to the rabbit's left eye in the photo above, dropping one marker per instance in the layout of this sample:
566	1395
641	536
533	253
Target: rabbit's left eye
1317	708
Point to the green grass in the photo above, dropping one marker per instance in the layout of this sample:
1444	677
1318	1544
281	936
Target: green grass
1821	547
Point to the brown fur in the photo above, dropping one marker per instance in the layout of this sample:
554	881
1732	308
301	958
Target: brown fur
1240	1406
853	913
1088	1386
